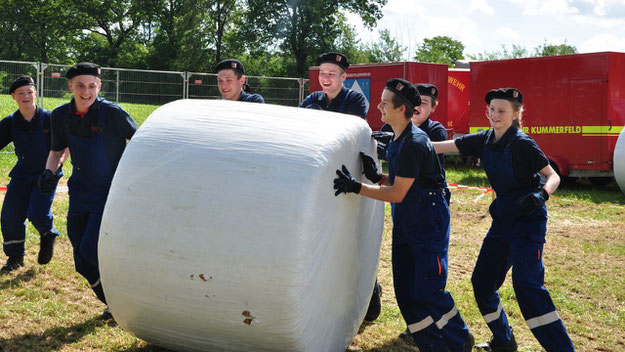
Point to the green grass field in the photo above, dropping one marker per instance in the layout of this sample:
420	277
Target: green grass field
51	307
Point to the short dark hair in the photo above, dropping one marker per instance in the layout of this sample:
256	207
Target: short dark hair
398	101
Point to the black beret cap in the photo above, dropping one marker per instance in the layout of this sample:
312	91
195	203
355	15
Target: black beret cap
406	90
334	58
511	94
427	89
231	64
21	81
83	68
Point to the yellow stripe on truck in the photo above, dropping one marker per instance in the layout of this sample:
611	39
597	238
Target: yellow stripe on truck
586	131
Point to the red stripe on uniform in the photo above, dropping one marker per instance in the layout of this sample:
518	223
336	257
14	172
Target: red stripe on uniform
439	265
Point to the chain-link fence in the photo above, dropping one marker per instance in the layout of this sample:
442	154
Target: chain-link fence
148	86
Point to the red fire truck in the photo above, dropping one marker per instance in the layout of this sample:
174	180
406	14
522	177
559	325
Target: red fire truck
574	107
370	80
458	83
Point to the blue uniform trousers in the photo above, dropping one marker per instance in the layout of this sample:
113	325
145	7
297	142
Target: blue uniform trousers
22	201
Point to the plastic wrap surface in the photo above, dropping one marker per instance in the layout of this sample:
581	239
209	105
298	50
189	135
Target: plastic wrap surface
619	161
221	231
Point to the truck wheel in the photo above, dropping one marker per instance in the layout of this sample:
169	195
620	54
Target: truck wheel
600	181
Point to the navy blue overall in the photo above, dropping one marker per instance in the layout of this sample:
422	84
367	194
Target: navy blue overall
347	101
420	243
23	198
516	241
88	188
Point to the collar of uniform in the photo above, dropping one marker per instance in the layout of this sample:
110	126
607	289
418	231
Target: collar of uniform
341	95
95	106
22	121
243	95
504	139
425	123
407	131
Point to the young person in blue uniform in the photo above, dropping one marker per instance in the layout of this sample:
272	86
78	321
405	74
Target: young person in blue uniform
434	129
231	82
96	132
414	186
333	96
515	167
29	130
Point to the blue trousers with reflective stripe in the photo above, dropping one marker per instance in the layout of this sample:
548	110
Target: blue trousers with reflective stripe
83	230
24	200
429	310
524	256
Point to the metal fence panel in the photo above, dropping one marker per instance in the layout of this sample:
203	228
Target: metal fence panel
11	69
149	86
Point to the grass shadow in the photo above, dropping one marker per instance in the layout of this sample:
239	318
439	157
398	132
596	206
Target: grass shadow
22	277
53	338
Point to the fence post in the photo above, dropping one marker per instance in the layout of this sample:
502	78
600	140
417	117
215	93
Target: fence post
117	86
40	71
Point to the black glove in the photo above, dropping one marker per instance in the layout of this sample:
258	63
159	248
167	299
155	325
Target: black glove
381	149
382	136
346	183
369	168
531	202
48	180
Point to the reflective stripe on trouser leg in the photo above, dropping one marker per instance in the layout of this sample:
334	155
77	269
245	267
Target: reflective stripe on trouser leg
490	271
13	215
420	323
534	300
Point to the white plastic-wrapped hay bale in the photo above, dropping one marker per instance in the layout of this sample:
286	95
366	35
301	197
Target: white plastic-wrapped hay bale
619	161
222	233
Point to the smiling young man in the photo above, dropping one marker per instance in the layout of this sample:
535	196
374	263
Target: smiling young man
333	96
414	187
96	132
29	130
231	82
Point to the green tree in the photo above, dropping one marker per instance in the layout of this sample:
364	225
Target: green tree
304	28
554	50
440	49
39	30
387	49
515	52
115	21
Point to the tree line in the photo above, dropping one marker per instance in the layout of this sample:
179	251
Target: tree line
271	37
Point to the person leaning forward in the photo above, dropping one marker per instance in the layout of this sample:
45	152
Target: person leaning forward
414	187
29	130
333	96
231	82
96	132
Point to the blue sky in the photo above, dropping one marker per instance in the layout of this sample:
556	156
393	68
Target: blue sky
486	25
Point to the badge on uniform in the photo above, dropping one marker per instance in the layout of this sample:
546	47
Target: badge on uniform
338	58
233	64
433	91
399	86
515	94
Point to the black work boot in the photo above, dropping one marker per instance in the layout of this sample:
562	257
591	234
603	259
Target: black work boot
46	247
495	345
13	263
375	306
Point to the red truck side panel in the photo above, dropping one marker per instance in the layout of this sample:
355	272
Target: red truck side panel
569	104
370	79
458	84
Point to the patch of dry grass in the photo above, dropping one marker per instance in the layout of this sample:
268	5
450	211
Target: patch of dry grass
51	308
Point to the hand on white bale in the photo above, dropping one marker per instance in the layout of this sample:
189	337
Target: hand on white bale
216	237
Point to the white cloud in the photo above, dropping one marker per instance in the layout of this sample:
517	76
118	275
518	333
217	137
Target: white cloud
482	7
507	33
603	42
545	7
